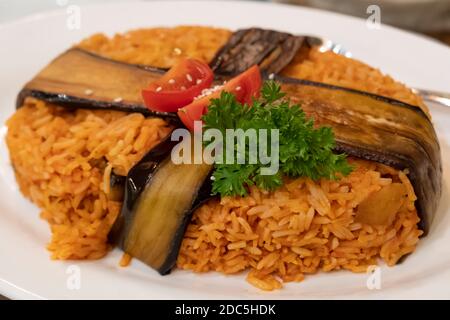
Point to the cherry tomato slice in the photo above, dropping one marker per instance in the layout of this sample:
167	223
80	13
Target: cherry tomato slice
244	86
179	86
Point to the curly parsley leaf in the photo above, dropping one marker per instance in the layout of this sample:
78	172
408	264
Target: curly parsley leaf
303	149
232	179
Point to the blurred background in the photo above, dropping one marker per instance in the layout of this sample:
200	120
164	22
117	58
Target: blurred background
429	17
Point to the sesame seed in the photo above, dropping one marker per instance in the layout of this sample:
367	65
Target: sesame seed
198	81
88	92
189	77
177	51
213	178
271	76
207	91
172	81
158	89
238	88
118	99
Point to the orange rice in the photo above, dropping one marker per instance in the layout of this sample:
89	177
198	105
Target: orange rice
301	228
63	160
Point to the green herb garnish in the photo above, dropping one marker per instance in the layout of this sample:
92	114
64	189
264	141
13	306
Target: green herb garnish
303	149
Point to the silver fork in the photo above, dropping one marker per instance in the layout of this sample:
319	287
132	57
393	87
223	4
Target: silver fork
442	98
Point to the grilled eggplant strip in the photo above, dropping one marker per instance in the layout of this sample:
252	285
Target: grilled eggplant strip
80	79
271	50
377	129
160	198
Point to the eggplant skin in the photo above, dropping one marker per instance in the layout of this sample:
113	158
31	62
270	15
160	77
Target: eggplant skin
81	79
271	50
131	235
74	102
116	187
379	129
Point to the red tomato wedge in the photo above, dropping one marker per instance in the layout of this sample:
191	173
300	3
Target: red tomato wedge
179	86
244	86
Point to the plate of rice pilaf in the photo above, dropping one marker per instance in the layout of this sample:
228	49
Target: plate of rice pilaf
97	203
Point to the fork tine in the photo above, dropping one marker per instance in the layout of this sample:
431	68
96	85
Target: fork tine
328	45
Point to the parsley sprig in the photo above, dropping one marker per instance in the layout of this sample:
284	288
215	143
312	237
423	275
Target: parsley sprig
304	150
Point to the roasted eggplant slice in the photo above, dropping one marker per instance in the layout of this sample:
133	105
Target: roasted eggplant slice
379	129
271	50
78	78
160	198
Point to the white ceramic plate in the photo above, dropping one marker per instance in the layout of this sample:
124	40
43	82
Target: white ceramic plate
27	45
